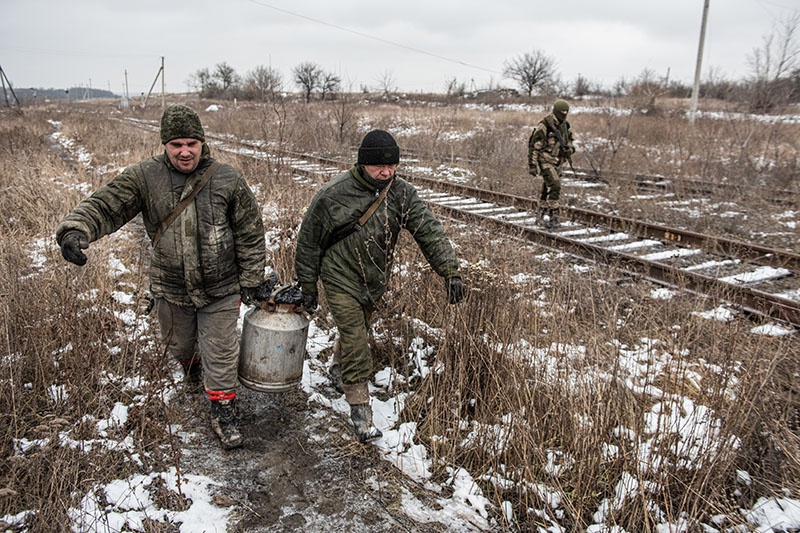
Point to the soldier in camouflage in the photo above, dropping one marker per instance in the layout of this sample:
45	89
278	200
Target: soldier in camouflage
550	144
354	263
210	256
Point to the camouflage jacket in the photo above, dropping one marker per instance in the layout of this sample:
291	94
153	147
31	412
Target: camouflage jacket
543	144
361	263
215	247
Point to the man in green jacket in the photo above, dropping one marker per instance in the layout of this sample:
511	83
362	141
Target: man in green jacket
212	253
550	144
354	261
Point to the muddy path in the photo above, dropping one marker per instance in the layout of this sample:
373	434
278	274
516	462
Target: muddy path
300	470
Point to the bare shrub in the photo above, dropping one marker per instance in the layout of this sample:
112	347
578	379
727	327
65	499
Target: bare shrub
552	378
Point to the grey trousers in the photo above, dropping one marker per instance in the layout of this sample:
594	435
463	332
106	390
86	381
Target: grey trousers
209	332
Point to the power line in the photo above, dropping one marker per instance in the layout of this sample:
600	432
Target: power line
374	38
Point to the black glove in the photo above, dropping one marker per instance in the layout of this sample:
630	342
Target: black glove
72	243
310	301
455	289
253	295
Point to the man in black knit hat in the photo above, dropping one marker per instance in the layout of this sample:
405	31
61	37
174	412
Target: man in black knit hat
347	239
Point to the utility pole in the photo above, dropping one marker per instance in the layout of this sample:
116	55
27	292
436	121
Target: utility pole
162	82
698	66
125	100
5	81
159	73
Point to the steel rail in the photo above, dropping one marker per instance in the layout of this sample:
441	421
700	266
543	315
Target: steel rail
749	299
752	300
754	253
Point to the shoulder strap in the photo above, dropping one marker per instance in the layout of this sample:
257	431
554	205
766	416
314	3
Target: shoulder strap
167	222
365	217
374	207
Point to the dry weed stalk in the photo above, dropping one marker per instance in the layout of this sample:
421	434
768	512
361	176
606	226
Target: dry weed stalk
532	382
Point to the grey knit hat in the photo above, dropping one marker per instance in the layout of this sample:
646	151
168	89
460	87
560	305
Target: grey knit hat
378	148
179	122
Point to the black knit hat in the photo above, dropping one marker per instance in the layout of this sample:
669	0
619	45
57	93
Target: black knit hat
378	148
181	122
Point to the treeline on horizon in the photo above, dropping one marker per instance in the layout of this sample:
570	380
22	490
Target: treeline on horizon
73	93
532	75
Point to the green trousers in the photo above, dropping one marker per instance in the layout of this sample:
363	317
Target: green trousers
551	186
353	322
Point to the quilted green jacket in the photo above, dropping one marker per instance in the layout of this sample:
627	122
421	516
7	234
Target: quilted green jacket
361	263
215	247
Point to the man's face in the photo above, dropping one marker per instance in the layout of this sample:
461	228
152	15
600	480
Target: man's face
380	172
184	154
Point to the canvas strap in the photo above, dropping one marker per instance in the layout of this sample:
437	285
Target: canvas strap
167	222
364	217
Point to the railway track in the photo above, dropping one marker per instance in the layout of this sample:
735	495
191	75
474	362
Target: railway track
759	281
680	186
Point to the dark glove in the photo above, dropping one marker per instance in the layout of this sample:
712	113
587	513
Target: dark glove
534	170
455	289
310	301
71	245
253	295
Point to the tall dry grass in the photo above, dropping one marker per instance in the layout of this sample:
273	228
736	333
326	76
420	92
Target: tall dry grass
563	378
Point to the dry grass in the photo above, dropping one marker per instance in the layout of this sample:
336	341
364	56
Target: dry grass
575	363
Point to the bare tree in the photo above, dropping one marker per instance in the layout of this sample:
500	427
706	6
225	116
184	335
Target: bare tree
343	115
583	86
645	91
330	84
531	71
386	83
227	78
262	84
773	65
203	82
455	87
308	76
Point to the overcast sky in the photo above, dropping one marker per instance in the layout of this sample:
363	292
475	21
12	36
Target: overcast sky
419	44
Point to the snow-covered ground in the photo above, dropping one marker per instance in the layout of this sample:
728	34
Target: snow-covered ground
124	504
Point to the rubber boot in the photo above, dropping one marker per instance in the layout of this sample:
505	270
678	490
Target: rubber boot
361	415
335	369
223	422
553	222
357	395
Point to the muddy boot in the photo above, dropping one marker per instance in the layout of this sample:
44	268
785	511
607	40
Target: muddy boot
223	422
552	223
335	370
357	395
361	415
543	216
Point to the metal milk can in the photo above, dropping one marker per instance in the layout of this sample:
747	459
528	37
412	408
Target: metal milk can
272	347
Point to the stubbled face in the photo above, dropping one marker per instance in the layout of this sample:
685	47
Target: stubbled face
380	172
184	154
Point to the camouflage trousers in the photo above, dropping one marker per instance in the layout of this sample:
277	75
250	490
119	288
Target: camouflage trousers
353	322
551	186
209	333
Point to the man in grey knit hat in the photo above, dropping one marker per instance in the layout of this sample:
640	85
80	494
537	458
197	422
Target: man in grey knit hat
208	256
